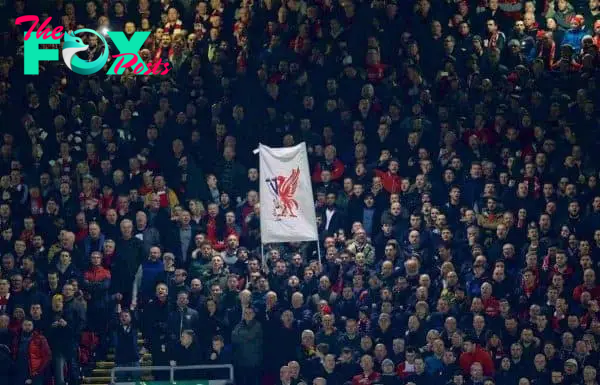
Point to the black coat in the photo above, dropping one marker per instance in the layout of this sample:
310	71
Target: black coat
192	355
155	318
286	340
7	366
126	348
129	256
182	319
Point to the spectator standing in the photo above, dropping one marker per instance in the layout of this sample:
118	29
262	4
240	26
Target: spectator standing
247	340
32	355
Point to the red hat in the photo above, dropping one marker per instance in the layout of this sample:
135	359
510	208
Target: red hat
540	34
578	19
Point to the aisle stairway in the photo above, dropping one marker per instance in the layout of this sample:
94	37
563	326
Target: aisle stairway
100	372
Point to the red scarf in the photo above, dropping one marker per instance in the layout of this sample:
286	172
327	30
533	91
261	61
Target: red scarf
106	202
211	230
27	236
529	290
36	206
164	198
493	41
107	260
172	27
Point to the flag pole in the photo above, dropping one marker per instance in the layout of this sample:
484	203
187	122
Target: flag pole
262	256
319	250
262	246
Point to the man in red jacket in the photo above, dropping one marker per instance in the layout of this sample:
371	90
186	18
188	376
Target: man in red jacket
589	285
331	163
32	354
391	179
473	353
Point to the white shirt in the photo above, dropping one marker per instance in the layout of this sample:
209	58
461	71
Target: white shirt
328	214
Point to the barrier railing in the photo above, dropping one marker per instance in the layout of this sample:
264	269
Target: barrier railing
171	370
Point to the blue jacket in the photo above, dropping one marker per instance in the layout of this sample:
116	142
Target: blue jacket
573	38
87	245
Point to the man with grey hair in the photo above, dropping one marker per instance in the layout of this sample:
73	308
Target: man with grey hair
129	256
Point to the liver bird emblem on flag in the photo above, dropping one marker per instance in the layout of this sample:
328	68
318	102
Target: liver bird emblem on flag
283	190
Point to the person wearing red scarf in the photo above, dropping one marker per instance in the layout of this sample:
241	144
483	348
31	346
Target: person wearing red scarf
4	295
164	51
529	289
495	38
107	199
559	318
28	232
368	376
214	225
173	24
36	203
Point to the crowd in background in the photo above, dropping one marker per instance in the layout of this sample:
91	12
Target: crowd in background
454	156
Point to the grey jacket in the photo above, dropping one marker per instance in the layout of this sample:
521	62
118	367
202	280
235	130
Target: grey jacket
150	237
247	339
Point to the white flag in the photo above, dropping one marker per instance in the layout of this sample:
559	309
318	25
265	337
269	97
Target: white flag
287	210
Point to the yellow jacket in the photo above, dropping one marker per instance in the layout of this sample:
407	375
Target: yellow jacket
171	197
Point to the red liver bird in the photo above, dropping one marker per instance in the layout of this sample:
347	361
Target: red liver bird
286	191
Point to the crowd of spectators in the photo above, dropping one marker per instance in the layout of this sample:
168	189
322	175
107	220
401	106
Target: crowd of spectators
455	165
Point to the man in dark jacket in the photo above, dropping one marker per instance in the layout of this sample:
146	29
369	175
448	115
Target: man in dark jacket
125	334
218	354
6	365
74	309
183	318
63	339
155	318
247	340
130	254
186	352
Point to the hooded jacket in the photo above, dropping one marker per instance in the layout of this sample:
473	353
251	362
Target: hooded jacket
39	354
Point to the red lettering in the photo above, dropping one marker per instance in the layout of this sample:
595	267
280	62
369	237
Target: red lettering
138	68
129	64
47	34
57	33
156	69
42	29
148	69
167	69
151	69
25	19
